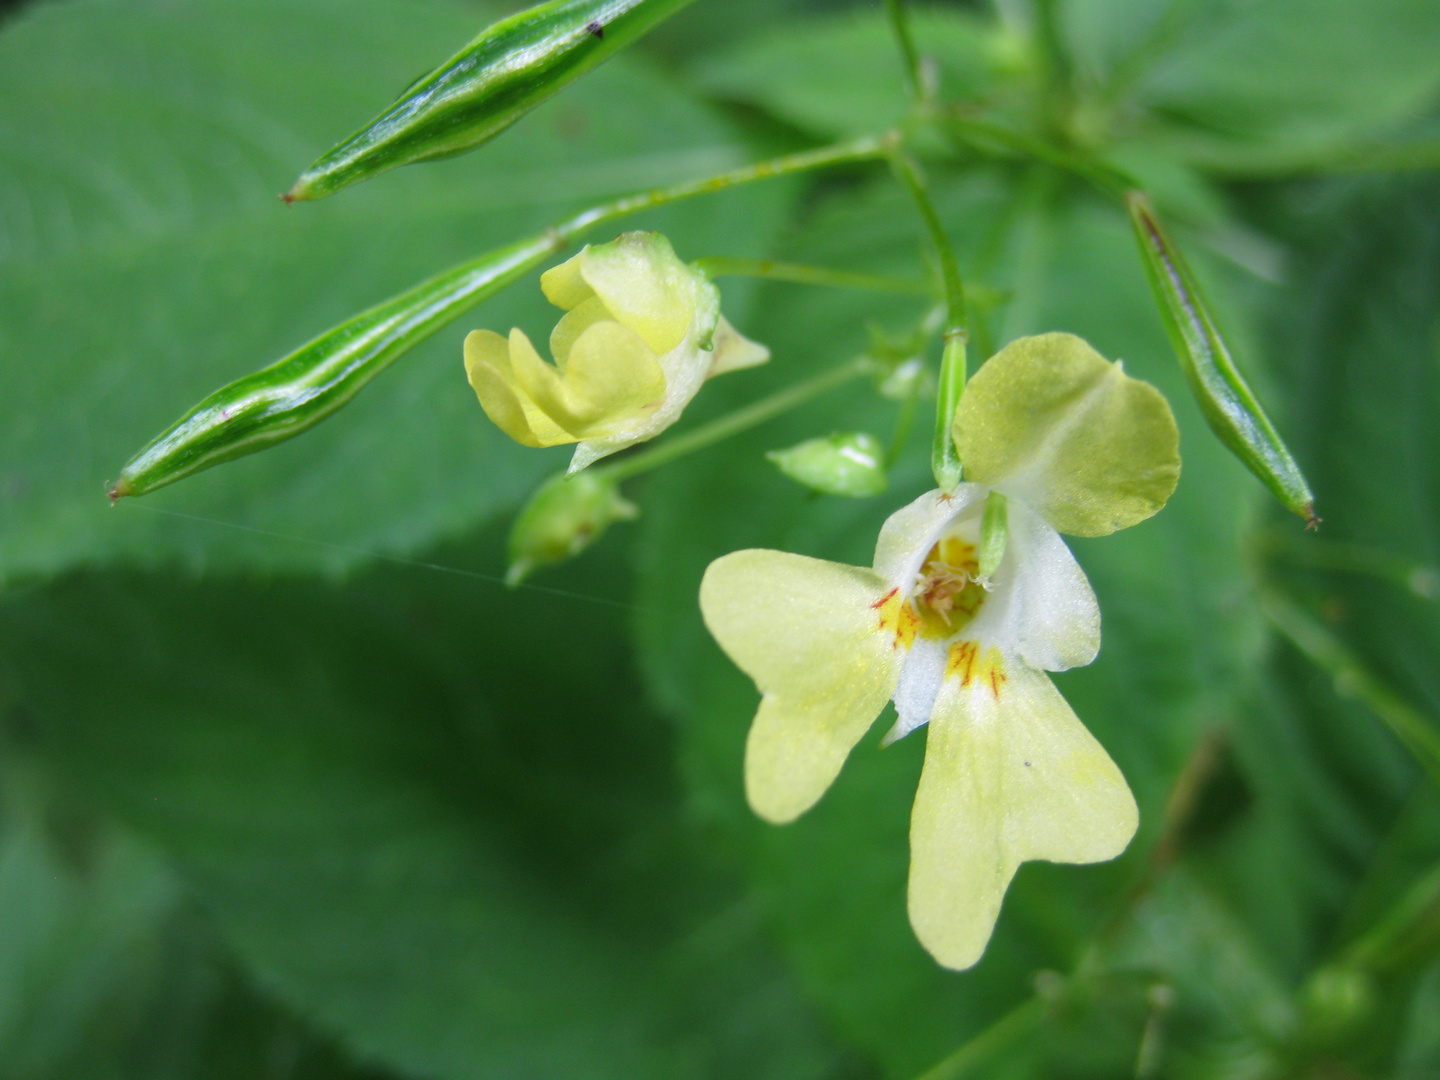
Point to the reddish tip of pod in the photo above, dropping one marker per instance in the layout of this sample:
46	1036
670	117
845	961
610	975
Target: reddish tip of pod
118	491
1311	521
288	197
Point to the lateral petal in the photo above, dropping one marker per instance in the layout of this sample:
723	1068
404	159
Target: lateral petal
1051	422
1010	775
809	633
487	366
1040	604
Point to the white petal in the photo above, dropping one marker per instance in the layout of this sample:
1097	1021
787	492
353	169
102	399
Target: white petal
1040	603
920	678
808	632
910	532
1009	776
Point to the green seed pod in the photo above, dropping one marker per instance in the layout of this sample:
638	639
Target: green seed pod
500	76
850	464
297	392
1230	406
564	517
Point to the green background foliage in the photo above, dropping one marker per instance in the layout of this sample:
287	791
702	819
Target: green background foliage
290	786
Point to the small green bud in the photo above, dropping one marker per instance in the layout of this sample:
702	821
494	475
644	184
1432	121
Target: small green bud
840	464
1337	999
994	533
562	519
907	380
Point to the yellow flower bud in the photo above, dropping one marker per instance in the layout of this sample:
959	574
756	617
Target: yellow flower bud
641	333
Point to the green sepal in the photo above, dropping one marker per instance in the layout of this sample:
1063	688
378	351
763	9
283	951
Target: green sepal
994	535
565	516
509	69
851	464
295	393
1229	405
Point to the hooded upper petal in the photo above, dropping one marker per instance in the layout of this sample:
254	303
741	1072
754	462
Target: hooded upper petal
1010	775
1051	422
641	282
811	634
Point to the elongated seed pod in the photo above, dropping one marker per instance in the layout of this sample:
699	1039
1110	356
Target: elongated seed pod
510	68
1230	406
297	392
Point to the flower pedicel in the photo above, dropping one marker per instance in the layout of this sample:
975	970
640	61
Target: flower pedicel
1073	445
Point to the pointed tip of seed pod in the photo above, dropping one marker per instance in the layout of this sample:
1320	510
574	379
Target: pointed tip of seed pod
519	570
118	491
300	191
1308	513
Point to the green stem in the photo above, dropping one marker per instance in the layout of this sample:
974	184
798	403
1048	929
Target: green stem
866	148
1351	677
1010	1029
900	25
723	266
732	424
944	457
984	136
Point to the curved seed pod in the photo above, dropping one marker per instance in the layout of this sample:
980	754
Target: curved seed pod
1230	406
501	75
297	392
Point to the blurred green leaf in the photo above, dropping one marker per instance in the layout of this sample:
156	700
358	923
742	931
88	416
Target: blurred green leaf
417	820
847	79
1178	640
145	260
1260	87
107	970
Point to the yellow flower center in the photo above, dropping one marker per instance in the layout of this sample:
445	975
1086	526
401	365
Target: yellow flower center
947	593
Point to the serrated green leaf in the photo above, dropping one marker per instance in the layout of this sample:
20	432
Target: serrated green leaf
1287	83
144	260
847	77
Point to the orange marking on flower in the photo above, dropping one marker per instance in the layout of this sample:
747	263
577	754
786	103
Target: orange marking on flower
965	662
898	617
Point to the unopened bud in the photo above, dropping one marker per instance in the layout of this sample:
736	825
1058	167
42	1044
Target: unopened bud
562	519
842	464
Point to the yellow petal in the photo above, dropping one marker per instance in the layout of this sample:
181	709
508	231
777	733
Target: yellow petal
734	351
808	632
1050	421
611	380
564	285
571	325
1010	775
487	365
644	285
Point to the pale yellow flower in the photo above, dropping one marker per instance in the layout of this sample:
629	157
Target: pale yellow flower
1010	773
641	333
